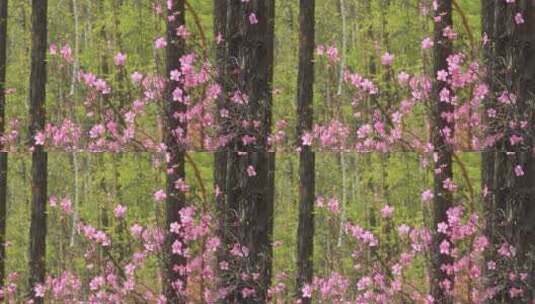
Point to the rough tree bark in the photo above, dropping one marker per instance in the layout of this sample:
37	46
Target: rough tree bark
3	155
175	281
305	97
39	156
220	156
493	26
510	59
246	170
443	151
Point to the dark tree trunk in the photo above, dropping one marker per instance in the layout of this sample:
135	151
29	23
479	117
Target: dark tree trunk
494	24
444	151
246	205
305	96
3	155
220	156
39	156
175	280
510	215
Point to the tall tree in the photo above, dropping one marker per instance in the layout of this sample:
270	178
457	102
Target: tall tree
305	98
247	186
39	156
508	170
175	130
220	156
442	133
3	155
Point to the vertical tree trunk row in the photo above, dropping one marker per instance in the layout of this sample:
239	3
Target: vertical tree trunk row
305	98
3	155
220	156
246	203
39	156
510	201
443	151
175	130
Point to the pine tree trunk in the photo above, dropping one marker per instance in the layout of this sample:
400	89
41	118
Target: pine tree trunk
175	281
492	158
220	157
39	156
3	155
511	196
444	152
246	205
305	98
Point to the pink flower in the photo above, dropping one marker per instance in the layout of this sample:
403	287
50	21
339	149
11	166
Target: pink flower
403	229
445	247
119	59
307	291
119	211
240	251
66	53
160	43
224	265
519	171
66	205
181	185
252	18
136	230
53	49
251	171
136	77
519	19
182	32
403	78
427	43
307	139
39	290
506	250
427	196
387	211
515	292
219	39
247	292
40	138
333	205
449	185
442	227
442	75
53	201
387	59
160	195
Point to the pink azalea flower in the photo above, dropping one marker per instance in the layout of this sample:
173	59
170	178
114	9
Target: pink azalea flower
251	171
119	211
427	43
387	211
519	171
40	138
119	59
160	43
160	195
519	19
427	196
387	59
136	77
252	18
307	291
39	290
